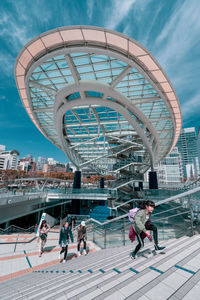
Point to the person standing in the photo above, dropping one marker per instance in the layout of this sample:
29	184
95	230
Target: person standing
65	233
82	237
142	224
42	236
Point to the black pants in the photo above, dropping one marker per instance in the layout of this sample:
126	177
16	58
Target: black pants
64	249
140	243
152	227
148	226
79	243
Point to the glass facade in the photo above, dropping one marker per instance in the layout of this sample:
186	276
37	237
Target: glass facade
187	146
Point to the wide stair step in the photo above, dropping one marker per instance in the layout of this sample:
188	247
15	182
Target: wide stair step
111	274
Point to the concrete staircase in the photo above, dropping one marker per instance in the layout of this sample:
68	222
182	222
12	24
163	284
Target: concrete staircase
111	274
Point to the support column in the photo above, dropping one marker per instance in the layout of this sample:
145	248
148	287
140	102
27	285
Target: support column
77	180
38	218
136	186
102	183
102	202
140	185
76	185
153	182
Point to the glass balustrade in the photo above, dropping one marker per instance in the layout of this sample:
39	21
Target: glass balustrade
174	218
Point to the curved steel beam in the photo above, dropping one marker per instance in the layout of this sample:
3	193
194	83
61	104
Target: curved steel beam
122	105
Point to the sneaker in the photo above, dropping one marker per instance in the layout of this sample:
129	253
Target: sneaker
85	253
133	256
64	261
159	248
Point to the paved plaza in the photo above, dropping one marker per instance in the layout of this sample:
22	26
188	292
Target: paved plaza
17	258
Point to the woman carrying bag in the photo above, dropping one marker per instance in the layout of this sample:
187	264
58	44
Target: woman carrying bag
65	233
42	238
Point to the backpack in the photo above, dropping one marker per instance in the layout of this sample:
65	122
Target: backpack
132	213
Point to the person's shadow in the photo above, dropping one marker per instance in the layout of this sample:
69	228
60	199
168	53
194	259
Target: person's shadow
49	248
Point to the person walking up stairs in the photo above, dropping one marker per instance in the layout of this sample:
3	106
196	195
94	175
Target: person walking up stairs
142	225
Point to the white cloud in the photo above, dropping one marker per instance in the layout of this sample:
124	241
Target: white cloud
117	12
7	64
3	98
13	33
90	7
180	34
14	36
146	36
189	107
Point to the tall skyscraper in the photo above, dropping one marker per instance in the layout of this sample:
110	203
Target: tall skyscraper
198	145
170	170
41	162
187	146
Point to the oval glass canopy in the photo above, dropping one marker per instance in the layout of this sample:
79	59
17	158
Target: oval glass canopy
100	97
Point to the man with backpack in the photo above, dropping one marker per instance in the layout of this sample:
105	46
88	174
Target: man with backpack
142	224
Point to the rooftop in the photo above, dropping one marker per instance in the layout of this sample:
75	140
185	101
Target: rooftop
94	92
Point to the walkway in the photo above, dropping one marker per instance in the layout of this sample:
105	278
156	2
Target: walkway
18	259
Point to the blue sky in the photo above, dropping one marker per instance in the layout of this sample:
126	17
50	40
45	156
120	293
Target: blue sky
170	30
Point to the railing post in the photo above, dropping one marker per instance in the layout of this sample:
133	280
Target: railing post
163	229
104	237
93	233
191	215
123	232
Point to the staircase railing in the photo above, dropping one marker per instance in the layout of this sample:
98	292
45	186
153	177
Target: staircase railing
15	229
174	219
127	162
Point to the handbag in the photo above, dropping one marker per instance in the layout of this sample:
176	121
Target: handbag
43	236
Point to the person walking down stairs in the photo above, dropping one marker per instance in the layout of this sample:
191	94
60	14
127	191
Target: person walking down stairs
65	233
42	236
82	237
142	224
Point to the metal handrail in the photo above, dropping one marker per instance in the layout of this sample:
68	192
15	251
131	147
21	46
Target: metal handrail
11	227
122	204
176	197
162	212
168	217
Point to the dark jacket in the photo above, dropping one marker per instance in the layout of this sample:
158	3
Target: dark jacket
64	235
81	234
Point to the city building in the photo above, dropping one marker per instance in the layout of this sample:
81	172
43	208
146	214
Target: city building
187	146
198	145
170	169
57	167
27	164
40	163
9	159
51	161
